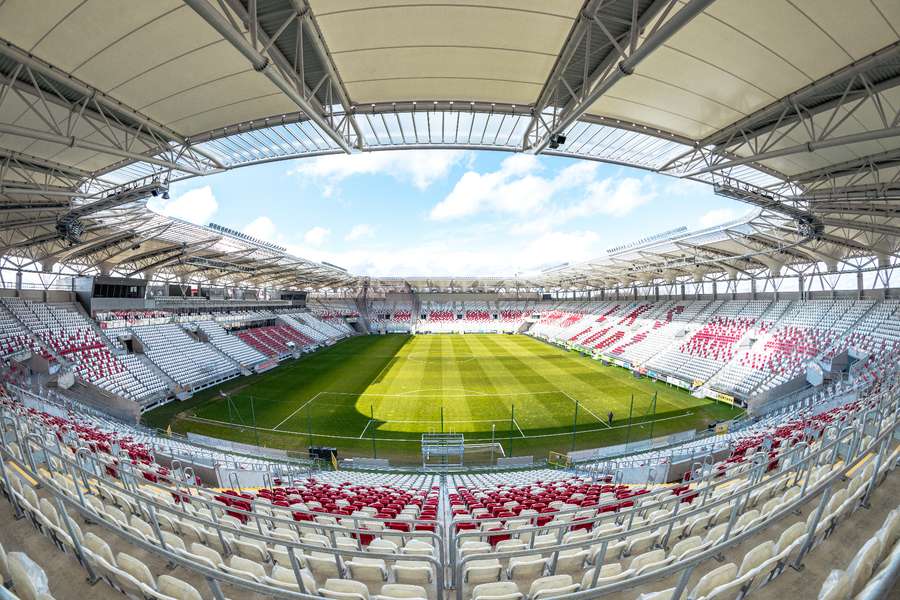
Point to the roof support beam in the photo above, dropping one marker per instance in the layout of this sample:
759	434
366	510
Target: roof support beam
850	167
47	166
784	112
813	146
20	56
74	142
293	89
619	63
314	35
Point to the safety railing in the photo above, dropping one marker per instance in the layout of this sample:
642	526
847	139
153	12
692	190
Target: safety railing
155	512
883	417
870	429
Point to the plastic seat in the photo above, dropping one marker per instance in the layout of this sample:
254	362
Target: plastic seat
398	591
251	550
137	571
322	566
244	567
417	573
552	585
285	578
176	588
661	595
500	590
5	576
687	547
718	576
482	571
523	570
344	589
98	548
837	586
649	561
370	571
610	573
571	562
860	568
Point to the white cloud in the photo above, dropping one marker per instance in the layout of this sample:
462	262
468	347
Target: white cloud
612	197
685	187
316	236
515	188
472	255
518	188
718	216
261	228
197	205
617	198
360	231
420	167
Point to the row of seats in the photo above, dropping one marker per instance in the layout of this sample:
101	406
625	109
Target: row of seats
349	517
847	583
185	360
273	340
230	345
72	337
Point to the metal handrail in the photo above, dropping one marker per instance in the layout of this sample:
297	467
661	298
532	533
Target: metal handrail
693	561
710	482
153	506
212	504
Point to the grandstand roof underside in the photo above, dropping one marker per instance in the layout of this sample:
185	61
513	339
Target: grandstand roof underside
792	106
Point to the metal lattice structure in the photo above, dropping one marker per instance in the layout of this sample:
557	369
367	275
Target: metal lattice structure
794	110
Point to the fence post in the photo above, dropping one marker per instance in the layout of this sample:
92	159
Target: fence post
574	426
372	420
512	421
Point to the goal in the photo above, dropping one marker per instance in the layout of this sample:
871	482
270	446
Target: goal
443	450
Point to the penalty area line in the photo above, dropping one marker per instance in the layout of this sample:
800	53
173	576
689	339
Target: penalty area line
365	429
288	418
516	423
590	412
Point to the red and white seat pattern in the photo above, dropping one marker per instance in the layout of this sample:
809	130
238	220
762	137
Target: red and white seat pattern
273	340
70	336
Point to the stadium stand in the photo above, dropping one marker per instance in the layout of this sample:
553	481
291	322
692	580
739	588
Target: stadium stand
785	494
273	340
72	338
230	345
185	360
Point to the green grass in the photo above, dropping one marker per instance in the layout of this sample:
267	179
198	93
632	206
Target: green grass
391	389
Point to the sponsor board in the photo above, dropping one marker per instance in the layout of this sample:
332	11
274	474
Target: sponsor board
678	382
714	395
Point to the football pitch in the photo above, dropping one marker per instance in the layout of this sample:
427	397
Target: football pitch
376	395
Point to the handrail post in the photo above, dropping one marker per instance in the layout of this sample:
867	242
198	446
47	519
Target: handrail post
8	485
683	581
79	552
215	588
878	460
295	566
811	530
599	563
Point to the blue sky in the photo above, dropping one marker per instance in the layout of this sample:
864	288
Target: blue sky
446	212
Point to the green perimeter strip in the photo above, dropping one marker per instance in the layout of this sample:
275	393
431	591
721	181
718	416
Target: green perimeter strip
415	436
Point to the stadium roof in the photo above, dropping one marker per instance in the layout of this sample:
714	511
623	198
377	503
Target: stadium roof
792	106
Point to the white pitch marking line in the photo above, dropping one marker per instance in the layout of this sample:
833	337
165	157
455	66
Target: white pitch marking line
302	406
406	394
364	429
516	423
592	413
